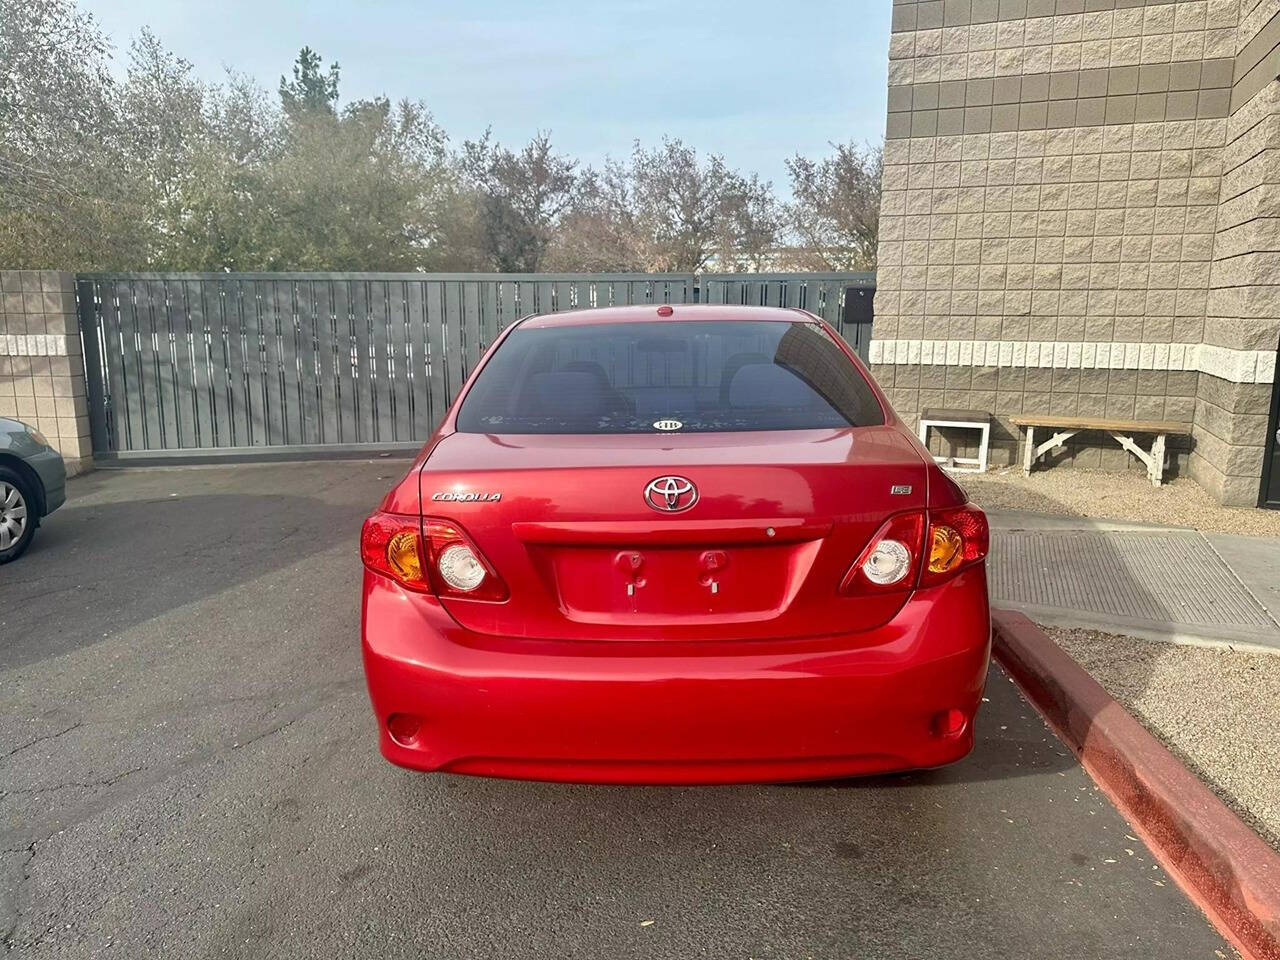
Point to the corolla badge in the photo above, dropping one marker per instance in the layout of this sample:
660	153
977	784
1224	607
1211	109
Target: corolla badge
671	494
466	497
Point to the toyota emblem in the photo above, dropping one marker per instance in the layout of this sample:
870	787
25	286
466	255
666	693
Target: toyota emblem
671	494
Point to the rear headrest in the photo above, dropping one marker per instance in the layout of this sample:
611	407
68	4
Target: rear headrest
768	385
587	366
731	366
568	393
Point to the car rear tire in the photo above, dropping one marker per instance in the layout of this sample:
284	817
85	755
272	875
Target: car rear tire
17	514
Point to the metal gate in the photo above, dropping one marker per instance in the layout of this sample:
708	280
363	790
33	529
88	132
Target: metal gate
216	364
195	362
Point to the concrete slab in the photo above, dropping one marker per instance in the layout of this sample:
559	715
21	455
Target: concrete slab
1162	583
1024	520
1256	562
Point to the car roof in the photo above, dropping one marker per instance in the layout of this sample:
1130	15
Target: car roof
645	312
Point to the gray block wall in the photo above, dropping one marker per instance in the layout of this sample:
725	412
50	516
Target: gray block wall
1069	191
41	368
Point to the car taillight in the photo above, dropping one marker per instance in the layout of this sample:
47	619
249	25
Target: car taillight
428	555
902	553
391	544
456	566
958	538
891	561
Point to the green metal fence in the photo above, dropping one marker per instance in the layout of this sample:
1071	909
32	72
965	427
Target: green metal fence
844	300
219	364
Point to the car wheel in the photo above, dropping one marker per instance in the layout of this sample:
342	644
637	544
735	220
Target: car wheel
17	515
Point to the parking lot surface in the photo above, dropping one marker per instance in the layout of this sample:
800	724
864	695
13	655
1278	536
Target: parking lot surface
188	768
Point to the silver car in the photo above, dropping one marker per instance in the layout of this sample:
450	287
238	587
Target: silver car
33	483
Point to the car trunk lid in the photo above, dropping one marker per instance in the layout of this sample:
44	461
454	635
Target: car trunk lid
756	549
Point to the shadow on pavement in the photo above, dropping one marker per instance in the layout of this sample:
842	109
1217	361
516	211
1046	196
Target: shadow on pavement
1010	741
100	568
1104	555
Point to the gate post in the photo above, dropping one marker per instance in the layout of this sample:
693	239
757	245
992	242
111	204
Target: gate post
42	374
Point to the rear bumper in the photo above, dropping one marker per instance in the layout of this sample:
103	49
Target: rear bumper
712	712
52	471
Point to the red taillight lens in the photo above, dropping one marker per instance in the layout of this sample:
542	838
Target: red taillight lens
901	555
891	560
429	555
958	538
391	544
456	566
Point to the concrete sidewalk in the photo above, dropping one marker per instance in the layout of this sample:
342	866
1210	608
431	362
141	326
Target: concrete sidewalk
1162	583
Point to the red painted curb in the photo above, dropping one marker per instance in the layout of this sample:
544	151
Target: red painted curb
1226	868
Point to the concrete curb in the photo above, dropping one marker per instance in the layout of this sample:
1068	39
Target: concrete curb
1227	869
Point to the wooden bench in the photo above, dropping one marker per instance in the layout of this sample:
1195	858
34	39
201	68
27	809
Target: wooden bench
1122	431
979	420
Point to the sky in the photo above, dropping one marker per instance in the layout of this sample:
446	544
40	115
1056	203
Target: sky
753	80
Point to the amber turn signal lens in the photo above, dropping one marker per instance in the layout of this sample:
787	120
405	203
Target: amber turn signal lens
403	556
946	549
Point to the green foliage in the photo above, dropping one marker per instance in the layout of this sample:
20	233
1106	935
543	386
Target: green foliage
310	91
61	187
163	171
522	198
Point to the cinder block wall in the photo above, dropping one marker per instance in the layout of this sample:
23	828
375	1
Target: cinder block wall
1053	177
41	368
1233	401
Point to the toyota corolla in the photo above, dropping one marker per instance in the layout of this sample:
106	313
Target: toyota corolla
685	544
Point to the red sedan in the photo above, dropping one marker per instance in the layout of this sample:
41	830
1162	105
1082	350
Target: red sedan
686	544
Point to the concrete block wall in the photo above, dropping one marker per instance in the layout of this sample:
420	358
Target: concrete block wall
1244	289
1054	171
41	367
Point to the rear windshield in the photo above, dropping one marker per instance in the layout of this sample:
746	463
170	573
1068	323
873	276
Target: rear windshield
653	376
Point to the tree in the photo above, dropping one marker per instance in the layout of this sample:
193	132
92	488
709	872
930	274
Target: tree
362	190
688	210
599	233
753	225
522	196
227	220
310	90
160	170
61	181
835	211
664	210
164	133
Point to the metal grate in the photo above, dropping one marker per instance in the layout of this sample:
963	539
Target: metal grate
1173	576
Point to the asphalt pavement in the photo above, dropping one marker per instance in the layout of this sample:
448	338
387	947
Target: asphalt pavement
188	768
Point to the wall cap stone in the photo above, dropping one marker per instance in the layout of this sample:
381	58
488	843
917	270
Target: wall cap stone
1237	366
